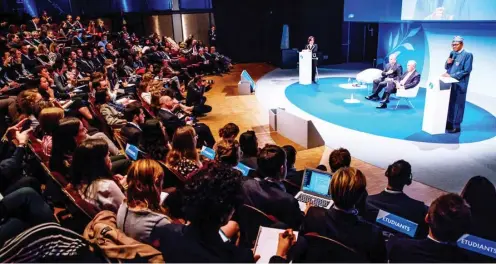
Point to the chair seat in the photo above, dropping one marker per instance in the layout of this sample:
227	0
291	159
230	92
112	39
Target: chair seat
408	93
369	75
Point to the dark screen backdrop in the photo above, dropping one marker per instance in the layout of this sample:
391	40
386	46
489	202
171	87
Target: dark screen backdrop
250	30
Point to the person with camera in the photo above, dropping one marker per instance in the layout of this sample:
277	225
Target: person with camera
195	95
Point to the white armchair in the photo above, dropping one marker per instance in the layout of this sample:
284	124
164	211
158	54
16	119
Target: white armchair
368	76
407	94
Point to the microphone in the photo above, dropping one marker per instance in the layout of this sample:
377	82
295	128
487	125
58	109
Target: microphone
451	55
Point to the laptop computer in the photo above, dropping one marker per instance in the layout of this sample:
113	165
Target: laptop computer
315	188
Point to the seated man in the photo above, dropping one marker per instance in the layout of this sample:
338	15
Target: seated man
448	219
408	80
267	193
392	71
393	200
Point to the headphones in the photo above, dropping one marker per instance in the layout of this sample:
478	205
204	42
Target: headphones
404	173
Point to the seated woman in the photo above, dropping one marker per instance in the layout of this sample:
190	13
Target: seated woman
229	132
183	157
210	197
227	152
69	133
155	141
141	213
91	176
49	120
342	223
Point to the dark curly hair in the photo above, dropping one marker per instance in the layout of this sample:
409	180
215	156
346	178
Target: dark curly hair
211	195
229	131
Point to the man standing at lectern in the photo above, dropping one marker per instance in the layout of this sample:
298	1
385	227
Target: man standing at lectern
392	71
458	66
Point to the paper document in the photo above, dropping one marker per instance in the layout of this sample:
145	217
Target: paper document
448	80
267	240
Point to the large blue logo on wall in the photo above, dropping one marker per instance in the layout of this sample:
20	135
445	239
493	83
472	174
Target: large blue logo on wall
407	40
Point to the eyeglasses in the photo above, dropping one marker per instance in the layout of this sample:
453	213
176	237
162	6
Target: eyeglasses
455	44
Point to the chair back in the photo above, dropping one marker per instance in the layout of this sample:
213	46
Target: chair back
250	219
323	249
369	75
408	93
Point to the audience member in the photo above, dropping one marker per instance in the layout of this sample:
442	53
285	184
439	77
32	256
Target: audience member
132	132
342	223
448	219
141	213
293	175
339	158
155	142
92	178
249	146
183	157
480	195
268	193
394	200
210	197
229	132
227	152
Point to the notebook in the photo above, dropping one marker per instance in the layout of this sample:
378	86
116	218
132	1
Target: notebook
266	244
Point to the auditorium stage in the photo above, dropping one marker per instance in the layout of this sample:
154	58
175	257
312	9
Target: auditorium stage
380	136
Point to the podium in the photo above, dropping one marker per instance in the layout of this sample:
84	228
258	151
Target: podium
436	105
305	67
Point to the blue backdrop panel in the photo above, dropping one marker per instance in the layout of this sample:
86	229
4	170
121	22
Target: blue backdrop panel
430	44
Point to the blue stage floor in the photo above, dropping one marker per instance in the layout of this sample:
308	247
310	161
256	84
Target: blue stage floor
325	101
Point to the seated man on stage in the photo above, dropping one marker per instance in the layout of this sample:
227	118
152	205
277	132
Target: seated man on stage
392	71
408	80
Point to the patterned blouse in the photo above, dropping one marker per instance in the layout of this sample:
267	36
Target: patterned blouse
185	166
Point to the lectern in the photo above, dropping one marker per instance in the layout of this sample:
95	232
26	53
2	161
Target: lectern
436	105
305	67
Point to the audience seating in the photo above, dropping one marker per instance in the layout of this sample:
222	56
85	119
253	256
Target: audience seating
323	249
250	219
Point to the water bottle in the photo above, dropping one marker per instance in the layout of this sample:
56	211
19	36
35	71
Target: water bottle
349	80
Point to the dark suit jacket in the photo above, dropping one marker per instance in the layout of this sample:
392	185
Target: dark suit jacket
425	250
412	81
314	49
30	26
194	94
401	205
180	243
11	168
349	229
170	121
397	71
272	199
131	134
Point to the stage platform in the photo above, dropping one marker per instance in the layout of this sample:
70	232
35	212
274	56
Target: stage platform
381	136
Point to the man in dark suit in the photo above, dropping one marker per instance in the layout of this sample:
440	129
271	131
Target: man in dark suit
292	175
268	193
448	219
392	71
212	36
393	200
32	25
172	121
409	80
131	132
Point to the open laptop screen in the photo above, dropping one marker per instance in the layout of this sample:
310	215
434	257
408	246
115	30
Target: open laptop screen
316	182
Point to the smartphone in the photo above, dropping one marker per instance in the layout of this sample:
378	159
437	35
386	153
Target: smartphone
26	125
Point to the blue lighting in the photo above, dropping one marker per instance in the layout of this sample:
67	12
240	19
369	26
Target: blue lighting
30	8
125	6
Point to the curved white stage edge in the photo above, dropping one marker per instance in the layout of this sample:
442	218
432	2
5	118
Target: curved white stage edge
450	164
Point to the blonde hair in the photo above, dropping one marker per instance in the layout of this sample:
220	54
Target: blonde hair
144	180
347	187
